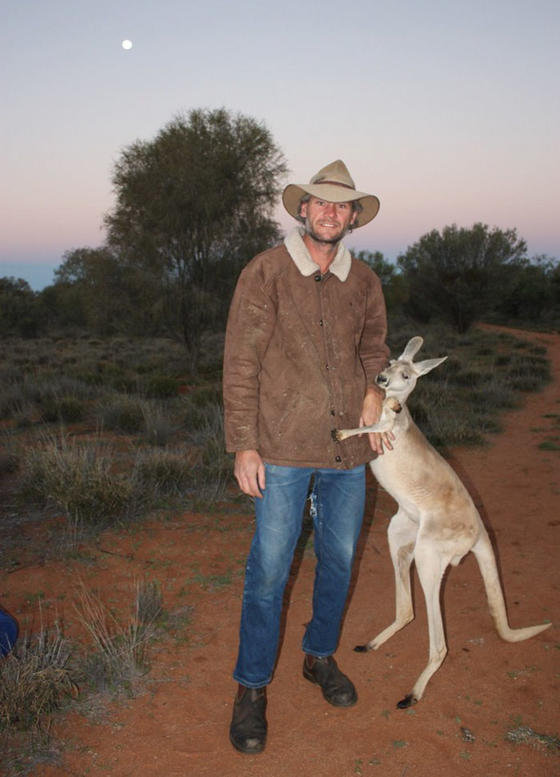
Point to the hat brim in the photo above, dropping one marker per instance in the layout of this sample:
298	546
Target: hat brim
293	193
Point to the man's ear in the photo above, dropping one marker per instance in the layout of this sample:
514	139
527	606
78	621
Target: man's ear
303	209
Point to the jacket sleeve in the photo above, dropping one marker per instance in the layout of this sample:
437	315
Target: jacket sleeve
250	324
374	352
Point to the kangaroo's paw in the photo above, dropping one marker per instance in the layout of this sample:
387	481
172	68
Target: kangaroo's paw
393	404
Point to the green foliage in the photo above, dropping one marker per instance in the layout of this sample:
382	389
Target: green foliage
161	386
77	478
459	275
459	402
122	414
164	473
19	311
192	206
90	289
394	285
532	297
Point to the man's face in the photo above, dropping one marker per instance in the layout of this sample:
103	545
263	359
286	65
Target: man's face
327	222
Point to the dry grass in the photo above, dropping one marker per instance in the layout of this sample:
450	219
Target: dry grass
35	677
43	671
119	654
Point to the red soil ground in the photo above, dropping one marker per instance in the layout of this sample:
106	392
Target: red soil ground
178	725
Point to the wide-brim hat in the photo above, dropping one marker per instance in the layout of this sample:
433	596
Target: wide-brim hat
332	183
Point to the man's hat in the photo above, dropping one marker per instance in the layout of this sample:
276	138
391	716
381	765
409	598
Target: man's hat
332	183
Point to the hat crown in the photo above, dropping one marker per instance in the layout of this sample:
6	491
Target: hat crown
333	183
336	172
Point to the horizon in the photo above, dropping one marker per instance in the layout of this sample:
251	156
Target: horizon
39	274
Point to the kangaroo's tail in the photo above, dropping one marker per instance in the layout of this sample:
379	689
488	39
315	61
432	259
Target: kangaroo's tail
487	563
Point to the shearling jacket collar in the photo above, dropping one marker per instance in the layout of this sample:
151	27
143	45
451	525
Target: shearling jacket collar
340	266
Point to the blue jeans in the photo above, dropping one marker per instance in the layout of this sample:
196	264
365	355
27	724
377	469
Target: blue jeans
337	509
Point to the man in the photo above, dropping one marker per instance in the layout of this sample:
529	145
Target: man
304	341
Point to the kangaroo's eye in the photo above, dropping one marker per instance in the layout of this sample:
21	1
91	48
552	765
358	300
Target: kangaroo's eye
405	375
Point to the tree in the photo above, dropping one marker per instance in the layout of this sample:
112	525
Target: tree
192	206
19	313
534	295
394	288
92	290
460	274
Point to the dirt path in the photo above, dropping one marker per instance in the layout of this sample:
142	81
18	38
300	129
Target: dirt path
485	688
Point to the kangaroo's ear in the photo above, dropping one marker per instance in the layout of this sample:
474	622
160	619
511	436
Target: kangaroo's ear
412	348
428	365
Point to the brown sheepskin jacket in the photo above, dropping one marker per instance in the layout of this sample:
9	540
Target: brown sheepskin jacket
300	350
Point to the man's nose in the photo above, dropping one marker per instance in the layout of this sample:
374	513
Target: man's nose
331	208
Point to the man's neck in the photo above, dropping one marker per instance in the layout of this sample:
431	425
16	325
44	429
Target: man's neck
322	253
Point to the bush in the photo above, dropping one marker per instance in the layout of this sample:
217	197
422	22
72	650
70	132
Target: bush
123	415
162	473
158	425
79	479
66	409
214	467
119	653
161	386
35	677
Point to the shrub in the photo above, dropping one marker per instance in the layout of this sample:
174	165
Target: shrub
35	677
470	378
158	426
10	401
214	467
66	409
79	479
161	386
162	473
119	653
123	415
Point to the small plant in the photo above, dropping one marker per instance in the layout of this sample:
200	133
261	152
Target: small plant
163	473
214	466
78	478
67	409
526	735
119	654
35	678
161	386
158	426
123	415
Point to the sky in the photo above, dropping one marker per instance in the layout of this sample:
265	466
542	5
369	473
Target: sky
448	111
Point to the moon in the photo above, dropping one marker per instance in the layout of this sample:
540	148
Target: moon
126	44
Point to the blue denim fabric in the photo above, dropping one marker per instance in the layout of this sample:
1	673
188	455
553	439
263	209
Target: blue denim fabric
337	509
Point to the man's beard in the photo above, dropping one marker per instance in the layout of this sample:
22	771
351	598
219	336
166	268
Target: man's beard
324	240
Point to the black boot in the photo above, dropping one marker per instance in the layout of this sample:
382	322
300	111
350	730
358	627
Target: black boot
247	732
336	687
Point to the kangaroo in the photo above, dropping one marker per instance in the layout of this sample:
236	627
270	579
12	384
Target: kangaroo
436	523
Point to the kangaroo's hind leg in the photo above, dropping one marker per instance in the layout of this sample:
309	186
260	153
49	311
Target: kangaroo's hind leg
402	538
431	560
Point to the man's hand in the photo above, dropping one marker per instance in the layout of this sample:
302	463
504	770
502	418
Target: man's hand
371	413
249	472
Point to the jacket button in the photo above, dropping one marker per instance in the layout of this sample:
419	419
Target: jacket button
337	458
317	277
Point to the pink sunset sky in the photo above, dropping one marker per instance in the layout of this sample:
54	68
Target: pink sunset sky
449	112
